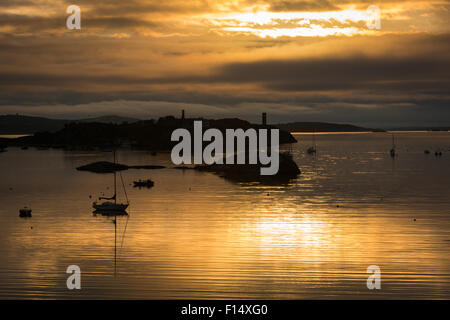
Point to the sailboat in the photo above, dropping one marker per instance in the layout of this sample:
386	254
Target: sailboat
112	206
392	152
313	149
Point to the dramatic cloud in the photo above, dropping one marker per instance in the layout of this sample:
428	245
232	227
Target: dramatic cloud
314	60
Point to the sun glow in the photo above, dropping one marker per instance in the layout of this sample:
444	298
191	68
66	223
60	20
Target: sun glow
293	24
262	18
311	31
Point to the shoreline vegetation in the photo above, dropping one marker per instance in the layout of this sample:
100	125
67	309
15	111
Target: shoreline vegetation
146	135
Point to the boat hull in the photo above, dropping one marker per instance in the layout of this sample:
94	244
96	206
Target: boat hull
110	207
145	183
25	213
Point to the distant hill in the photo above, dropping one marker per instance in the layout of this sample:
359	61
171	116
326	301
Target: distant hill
444	128
109	119
322	127
18	124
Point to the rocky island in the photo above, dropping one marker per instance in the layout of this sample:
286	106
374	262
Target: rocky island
147	135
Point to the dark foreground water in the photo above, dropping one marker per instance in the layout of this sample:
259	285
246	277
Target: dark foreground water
196	235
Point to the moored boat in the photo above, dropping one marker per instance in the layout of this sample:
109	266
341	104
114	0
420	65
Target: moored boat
393	152
111	206
25	212
144	183
311	150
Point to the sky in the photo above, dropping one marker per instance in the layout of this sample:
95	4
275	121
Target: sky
296	60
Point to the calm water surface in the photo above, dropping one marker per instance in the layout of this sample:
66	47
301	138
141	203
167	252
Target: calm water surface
196	235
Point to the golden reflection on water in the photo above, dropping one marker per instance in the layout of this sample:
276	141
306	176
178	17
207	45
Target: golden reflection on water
195	235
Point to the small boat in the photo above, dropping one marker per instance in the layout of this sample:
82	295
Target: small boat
111	206
144	183
313	149
25	212
392	151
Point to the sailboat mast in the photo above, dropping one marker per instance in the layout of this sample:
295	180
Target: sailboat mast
115	188
314	138
115	244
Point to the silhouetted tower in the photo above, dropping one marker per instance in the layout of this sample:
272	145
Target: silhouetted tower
264	118
182	114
